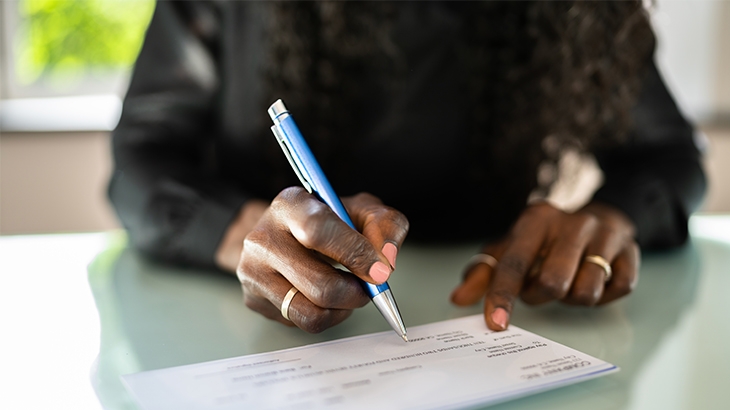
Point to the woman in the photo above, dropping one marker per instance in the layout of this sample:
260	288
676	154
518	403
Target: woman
437	120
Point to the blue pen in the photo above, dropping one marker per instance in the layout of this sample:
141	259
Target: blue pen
310	174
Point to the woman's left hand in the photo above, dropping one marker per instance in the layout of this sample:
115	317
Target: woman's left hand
550	255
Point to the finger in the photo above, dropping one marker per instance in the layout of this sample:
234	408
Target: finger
302	312
385	227
589	283
625	274
319	281
312	318
561	262
265	308
476	278
526	239
474	286
317	227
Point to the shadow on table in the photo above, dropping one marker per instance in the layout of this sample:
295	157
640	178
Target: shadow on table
156	316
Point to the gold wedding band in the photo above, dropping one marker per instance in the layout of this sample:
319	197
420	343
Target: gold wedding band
600	261
287	301
487	259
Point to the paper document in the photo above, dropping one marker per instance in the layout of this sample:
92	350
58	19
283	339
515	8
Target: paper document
452	364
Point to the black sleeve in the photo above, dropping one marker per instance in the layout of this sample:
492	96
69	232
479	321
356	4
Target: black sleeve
656	177
164	187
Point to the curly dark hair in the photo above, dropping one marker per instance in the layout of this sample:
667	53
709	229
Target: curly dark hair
544	75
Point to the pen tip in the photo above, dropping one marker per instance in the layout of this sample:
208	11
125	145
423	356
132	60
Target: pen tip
405	338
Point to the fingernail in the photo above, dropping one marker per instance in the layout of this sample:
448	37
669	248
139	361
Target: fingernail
499	318
390	251
379	272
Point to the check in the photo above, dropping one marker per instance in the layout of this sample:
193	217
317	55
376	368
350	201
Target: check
451	364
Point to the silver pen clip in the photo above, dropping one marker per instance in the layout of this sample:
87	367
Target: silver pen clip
287	152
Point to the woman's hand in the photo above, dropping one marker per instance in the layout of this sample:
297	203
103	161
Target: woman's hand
543	258
294	244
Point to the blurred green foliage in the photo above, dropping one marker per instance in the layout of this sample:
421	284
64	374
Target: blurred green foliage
64	39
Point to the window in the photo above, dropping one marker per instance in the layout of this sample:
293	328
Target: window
69	53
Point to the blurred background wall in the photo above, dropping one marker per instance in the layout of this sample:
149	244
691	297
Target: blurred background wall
58	101
64	64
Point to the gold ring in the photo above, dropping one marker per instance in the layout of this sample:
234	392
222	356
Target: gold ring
287	301
598	260
487	259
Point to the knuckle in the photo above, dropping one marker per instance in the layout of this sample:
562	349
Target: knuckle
316	230
577	227
513	266
243	272
360	255
392	218
623	285
248	283
553	287
253	242
260	244
503	296
315	323
327	293
573	244
253	247
250	303
398	219
586	221
286	197
291	193
586	297
249	270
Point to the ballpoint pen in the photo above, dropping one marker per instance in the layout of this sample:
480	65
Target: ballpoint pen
310	174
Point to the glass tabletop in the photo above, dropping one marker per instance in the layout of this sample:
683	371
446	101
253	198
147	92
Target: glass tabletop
668	337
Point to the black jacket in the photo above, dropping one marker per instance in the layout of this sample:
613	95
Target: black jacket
192	146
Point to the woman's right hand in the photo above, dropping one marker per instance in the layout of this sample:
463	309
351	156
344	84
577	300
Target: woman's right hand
295	243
